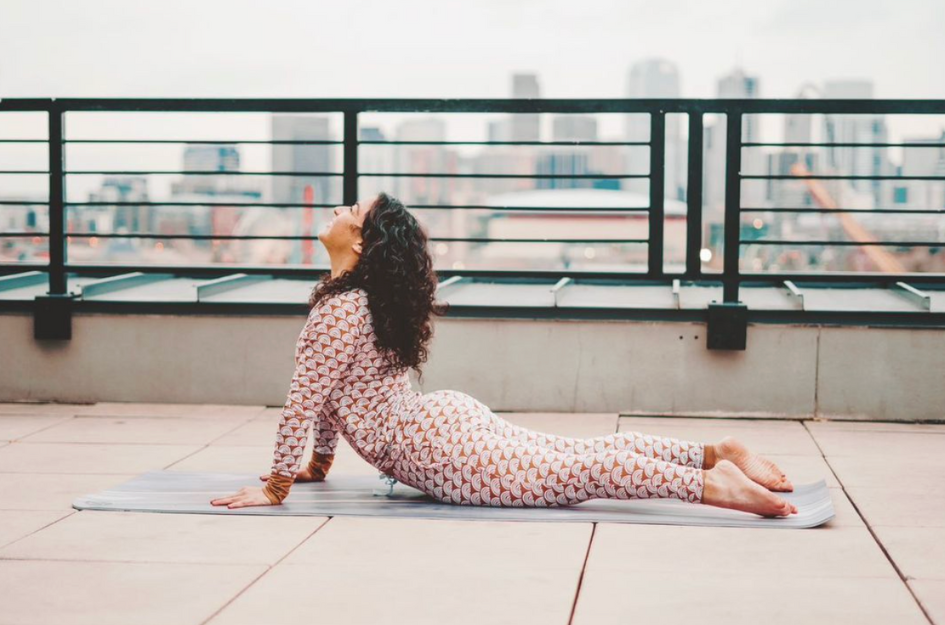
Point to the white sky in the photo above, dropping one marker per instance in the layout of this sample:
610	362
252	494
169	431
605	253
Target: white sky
441	48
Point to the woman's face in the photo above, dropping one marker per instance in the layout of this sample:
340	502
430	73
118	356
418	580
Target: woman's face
343	232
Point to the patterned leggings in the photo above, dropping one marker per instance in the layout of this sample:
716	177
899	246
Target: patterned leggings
483	459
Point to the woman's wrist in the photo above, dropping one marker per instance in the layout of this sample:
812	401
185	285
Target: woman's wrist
319	465
277	487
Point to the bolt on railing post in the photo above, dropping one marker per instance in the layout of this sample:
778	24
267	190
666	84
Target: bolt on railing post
57	211
657	177
733	164
694	198
350	184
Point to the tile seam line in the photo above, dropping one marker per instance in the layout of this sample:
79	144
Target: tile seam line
882	547
264	573
577	590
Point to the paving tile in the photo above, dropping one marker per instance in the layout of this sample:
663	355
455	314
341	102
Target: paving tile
13	427
258	431
879	444
134	409
359	570
723	422
15	524
874	426
258	458
764	437
845	514
578	425
707	551
42	408
899	506
931	594
634	593
32	458
151	537
51	491
104	593
920	476
919	552
156	431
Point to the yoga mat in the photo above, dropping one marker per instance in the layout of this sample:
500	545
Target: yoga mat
357	495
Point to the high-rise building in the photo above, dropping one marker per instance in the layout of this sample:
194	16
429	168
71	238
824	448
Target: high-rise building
740	86
846	129
525	126
304	157
301	157
655	78
574	128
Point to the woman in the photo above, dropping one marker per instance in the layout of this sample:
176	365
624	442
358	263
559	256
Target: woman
370	322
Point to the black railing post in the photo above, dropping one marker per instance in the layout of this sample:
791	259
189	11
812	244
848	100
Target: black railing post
52	312
57	211
694	198
657	190
733	198
350	180
728	320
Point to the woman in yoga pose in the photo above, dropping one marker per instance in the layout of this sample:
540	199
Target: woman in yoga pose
369	323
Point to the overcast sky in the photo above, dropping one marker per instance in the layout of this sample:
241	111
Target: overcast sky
427	48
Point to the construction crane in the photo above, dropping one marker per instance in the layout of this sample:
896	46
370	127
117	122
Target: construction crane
886	262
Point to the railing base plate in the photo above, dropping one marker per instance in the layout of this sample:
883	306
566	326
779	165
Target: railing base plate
52	317
728	326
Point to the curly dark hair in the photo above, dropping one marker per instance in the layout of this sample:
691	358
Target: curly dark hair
396	270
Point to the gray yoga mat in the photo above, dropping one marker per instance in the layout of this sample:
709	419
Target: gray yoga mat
356	495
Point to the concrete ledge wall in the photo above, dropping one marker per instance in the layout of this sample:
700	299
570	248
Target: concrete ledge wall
509	364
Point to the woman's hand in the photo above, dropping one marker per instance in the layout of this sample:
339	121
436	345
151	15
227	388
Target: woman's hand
247	496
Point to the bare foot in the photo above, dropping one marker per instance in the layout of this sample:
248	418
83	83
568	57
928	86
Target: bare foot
727	487
303	475
757	468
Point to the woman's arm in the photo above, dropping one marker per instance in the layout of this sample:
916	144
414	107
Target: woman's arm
324	350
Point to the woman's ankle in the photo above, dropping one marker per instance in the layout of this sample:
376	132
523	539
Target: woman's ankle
710	456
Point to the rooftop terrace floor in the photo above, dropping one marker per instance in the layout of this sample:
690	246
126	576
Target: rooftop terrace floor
880	560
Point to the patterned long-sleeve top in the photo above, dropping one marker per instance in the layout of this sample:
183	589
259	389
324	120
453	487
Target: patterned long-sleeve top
340	384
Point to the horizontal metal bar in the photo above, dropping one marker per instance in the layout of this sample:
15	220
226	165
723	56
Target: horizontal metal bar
227	205
842	278
311	174
211	141
880	211
481	105
253	237
851	243
837	279
24	140
615	209
838	177
575	142
12	234
575	209
23	203
438	175
844	145
23	172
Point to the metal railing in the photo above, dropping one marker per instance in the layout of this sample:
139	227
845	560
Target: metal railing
350	109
